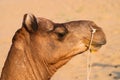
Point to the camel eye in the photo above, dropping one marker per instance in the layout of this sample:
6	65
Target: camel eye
60	31
61	35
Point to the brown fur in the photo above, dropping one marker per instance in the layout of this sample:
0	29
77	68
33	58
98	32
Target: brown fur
41	46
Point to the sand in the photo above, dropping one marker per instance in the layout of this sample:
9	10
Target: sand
105	13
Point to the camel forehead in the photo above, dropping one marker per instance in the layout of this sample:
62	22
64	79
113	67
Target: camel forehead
44	23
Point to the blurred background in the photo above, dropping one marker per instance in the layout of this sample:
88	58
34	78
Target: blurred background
105	13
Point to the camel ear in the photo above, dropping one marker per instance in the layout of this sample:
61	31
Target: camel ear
30	22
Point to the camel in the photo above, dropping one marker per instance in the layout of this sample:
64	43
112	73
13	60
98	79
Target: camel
40	47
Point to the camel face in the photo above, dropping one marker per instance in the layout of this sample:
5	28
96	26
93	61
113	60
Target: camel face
61	41
41	46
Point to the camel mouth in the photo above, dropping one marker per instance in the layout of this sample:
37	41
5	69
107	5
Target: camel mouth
95	48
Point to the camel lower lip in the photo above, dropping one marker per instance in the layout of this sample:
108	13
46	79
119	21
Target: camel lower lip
93	51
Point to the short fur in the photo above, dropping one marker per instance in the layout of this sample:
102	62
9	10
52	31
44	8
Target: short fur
41	46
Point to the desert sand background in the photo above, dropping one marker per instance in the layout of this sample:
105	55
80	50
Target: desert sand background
105	13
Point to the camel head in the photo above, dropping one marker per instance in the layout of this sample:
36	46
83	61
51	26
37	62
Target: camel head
45	46
59	42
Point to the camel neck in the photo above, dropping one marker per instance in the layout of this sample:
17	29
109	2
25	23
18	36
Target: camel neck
21	65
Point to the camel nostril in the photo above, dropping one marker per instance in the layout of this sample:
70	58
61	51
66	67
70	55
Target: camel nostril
103	42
